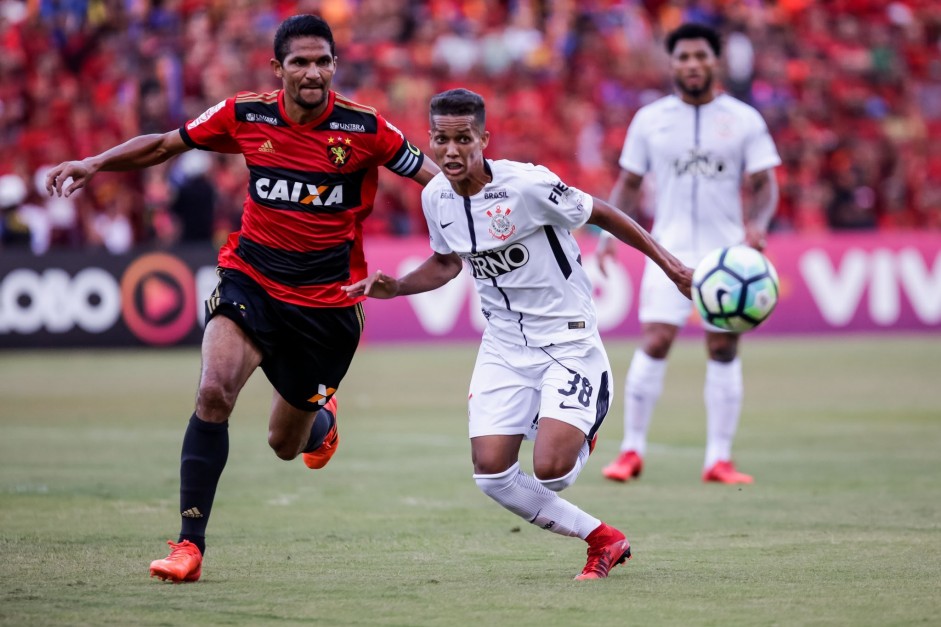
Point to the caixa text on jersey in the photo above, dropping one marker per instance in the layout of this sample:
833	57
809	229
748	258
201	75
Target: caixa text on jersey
281	190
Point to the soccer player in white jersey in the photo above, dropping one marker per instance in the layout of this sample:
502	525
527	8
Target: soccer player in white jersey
541	371
701	147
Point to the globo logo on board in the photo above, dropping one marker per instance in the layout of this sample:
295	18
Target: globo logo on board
156	297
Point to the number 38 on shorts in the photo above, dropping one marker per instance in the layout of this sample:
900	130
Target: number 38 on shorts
513	386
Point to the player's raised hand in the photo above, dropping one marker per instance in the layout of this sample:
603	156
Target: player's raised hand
58	176
684	281
605	253
376	285
756	237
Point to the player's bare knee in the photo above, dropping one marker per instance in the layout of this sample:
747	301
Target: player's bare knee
722	356
722	347
560	480
723	352
657	340
493	484
548	468
658	346
489	469
285	448
488	462
214	402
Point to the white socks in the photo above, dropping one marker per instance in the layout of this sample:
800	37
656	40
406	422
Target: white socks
642	388
526	497
723	393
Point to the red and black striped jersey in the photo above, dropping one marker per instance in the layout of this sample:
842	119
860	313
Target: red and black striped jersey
311	186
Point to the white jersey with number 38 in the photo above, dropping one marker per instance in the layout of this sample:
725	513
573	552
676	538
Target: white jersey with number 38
515	237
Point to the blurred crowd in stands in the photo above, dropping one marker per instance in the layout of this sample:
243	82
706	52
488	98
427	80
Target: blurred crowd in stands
851	90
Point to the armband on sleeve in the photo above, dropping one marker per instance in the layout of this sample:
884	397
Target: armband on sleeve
407	160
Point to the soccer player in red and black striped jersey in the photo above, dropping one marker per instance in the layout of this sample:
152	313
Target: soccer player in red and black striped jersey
313	158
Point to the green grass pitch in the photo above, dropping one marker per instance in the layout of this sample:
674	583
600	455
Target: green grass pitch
842	527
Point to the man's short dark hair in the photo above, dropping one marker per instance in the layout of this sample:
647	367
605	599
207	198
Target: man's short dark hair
695	31
459	102
301	26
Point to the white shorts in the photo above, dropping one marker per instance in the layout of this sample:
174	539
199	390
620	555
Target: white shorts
661	301
514	386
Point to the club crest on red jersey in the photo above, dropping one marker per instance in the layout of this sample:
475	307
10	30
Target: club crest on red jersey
339	150
500	225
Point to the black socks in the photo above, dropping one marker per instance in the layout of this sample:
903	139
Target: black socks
323	422
205	451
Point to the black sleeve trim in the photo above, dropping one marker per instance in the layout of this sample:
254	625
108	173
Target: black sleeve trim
189	140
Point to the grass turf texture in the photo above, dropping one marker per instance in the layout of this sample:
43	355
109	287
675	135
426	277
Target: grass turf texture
842	527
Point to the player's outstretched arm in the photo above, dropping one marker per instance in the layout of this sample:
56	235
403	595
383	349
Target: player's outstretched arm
135	154
625	196
426	172
431	274
628	231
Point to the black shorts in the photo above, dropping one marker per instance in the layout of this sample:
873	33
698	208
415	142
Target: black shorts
306	351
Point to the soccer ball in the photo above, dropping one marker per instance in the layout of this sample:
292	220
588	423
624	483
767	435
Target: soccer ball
735	288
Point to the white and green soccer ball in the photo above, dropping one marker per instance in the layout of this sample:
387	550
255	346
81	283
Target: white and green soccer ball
735	288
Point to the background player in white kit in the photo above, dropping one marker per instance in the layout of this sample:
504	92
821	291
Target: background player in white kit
701	147
541	370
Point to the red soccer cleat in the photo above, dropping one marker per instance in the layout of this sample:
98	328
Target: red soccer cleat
627	466
185	563
725	472
607	547
319	458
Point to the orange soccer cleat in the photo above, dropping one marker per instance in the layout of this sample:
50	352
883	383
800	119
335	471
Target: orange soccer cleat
185	563
627	466
607	547
320	457
725	472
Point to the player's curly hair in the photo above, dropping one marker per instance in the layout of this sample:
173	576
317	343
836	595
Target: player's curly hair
695	31
460	102
301	26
